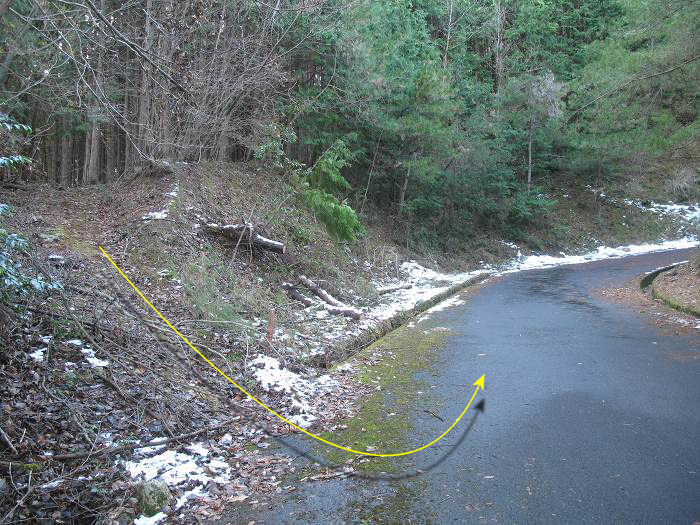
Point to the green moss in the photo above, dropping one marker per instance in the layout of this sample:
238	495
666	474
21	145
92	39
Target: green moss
674	303
398	506
404	352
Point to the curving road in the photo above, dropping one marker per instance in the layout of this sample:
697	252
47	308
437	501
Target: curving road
592	415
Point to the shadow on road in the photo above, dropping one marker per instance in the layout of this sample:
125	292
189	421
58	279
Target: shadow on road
450	449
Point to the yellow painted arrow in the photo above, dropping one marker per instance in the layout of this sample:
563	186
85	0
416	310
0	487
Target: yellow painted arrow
479	383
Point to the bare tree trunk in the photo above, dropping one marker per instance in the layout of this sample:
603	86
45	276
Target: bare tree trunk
86	159
93	164
222	154
66	158
449	34
498	46
529	157
4	6
404	186
52	166
93	168
129	151
111	143
145	141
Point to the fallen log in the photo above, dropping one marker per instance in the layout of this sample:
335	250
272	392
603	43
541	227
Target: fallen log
391	289
245	233
296	294
347	311
320	292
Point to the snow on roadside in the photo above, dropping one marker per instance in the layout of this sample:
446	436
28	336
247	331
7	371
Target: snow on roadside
688	212
531	262
426	284
303	391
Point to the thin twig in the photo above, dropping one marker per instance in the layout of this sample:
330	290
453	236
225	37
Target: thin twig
130	446
9	443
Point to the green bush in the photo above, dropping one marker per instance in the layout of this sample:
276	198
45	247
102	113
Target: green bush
12	277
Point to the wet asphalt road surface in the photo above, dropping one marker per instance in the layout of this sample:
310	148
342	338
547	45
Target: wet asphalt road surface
592	415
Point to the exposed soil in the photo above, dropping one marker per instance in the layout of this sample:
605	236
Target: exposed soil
666	319
681	287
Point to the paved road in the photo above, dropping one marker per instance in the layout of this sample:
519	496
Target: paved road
592	415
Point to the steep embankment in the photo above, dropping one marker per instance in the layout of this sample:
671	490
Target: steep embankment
92	376
679	288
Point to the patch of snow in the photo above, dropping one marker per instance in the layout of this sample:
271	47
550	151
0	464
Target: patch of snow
196	492
662	267
198	449
75	342
52	484
147	450
162	214
38	355
303	420
177	467
273	377
145	520
90	358
455	300
531	262
689	212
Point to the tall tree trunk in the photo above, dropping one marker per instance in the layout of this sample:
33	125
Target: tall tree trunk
498	46
92	174
111	145
86	159
404	186
130	136
449	34
529	157
93	168
4	6
66	159
145	139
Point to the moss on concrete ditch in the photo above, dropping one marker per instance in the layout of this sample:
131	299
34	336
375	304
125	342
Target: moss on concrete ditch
648	281
390	365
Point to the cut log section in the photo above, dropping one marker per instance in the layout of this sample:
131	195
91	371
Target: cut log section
320	292
331	304
347	311
296	294
392	289
245	233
